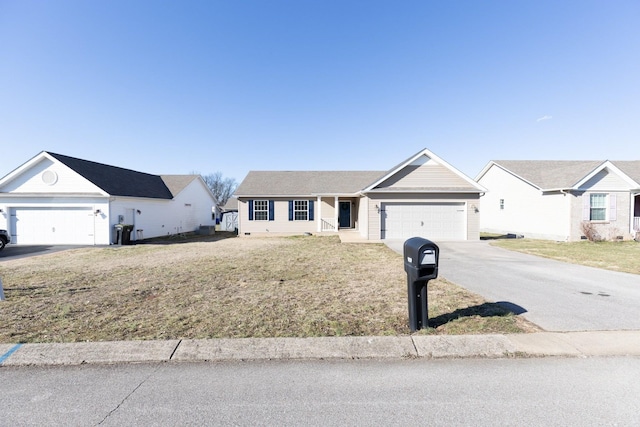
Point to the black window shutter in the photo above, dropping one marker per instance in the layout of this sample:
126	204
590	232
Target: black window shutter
310	210
271	211
250	210
290	210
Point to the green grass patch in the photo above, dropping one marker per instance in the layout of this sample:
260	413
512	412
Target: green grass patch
616	256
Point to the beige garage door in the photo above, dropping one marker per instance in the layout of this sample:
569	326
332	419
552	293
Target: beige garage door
52	226
433	221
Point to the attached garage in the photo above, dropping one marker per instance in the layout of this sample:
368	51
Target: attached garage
52	226
434	221
54	199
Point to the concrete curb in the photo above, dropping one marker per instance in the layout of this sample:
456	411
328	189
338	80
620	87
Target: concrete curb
296	348
569	344
91	352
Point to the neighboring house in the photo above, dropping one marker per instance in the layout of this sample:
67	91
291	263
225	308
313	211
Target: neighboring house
557	199
54	199
422	196
229	218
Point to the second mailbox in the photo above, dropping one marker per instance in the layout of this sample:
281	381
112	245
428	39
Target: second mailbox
421	258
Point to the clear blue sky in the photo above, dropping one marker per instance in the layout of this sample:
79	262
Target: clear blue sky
232	86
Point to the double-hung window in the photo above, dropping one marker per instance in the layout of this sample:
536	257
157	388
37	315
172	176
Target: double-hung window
260	210
300	210
598	207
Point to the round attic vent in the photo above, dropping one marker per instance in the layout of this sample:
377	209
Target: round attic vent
49	177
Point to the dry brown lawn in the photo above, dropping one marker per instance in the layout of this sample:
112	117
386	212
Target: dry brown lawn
228	287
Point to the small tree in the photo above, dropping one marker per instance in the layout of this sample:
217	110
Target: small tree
222	188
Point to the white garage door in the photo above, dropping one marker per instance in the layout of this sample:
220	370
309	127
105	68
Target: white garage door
433	221
52	226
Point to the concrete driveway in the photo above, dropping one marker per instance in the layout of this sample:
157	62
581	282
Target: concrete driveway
556	296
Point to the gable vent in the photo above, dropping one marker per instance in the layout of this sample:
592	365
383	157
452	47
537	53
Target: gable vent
49	177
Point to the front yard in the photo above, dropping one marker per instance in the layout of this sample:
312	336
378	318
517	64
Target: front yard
616	256
234	287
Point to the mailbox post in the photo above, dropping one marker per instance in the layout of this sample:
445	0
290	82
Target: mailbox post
421	264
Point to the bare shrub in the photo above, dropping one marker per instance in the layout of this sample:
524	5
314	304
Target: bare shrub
589	230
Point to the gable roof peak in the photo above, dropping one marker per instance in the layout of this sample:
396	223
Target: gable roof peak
424	156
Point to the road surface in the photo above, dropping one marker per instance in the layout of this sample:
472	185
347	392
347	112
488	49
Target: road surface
478	392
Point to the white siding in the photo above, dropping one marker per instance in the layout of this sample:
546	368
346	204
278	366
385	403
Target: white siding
190	209
72	193
52	226
66	181
42	205
28	194
556	215
527	211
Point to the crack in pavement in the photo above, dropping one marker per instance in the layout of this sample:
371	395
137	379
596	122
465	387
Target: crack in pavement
129	395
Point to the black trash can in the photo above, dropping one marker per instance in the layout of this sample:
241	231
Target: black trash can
126	234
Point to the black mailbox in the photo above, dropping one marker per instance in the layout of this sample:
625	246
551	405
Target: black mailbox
421	264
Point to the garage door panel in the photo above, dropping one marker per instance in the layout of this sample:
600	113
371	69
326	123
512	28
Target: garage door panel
52	226
435	221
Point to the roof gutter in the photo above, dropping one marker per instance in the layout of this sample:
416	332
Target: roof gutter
272	196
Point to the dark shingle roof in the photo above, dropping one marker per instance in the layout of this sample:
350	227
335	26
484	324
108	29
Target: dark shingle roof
118	181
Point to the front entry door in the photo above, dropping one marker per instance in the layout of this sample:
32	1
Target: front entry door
344	218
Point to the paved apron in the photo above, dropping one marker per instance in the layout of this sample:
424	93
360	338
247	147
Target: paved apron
556	296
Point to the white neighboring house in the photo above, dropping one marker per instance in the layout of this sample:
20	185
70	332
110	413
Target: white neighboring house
554	199
54	199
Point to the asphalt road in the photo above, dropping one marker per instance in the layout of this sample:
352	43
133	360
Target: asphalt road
556	296
24	251
478	392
